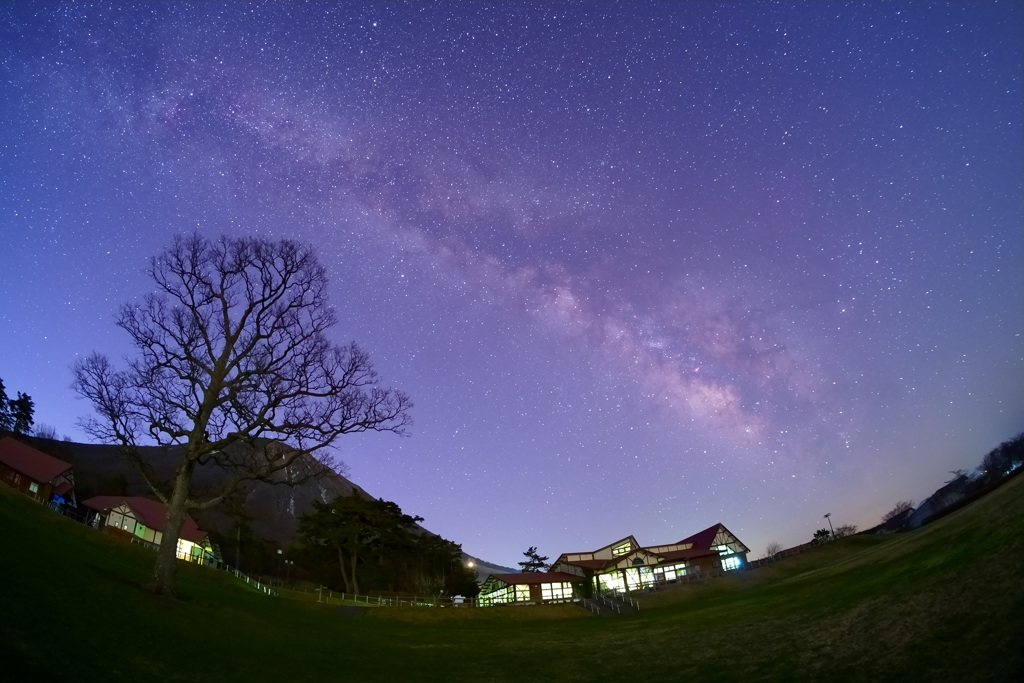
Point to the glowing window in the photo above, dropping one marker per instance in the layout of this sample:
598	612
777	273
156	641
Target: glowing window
556	591
731	563
612	582
622	548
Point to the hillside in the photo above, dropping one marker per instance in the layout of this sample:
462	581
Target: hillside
270	508
942	603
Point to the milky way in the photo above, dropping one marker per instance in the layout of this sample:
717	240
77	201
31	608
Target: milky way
643	267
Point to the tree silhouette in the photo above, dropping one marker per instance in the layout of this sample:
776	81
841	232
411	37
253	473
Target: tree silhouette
822	536
898	509
534	562
16	415
235	367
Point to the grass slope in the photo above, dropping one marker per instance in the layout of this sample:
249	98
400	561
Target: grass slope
941	603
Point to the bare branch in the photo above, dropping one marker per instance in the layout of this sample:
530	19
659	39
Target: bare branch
235	365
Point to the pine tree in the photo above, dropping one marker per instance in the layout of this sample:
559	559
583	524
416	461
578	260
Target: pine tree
534	562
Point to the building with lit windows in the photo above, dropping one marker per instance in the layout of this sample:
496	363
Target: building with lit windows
621	567
36	474
143	519
527	588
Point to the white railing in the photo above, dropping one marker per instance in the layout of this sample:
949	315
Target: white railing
258	585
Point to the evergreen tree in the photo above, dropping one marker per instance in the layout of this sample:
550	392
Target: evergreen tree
16	415
534	561
6	419
22	409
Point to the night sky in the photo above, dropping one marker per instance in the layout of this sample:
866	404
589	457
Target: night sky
643	267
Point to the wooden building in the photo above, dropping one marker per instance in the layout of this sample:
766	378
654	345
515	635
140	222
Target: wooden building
48	479
143	519
621	567
527	588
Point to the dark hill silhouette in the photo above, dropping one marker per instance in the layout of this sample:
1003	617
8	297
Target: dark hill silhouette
272	508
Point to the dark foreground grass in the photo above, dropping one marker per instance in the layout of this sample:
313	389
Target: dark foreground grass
943	603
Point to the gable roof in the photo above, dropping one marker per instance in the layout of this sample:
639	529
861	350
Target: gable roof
31	462
150	512
593	562
705	540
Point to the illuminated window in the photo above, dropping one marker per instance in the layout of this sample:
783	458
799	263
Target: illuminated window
185	549
622	548
612	582
522	594
639	577
731	563
33	488
556	591
670	573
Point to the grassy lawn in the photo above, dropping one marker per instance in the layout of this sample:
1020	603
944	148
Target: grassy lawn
941	603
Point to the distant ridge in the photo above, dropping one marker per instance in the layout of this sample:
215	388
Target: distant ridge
483	568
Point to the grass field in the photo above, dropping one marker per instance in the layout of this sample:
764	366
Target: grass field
944	603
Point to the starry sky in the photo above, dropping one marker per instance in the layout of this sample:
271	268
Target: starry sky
642	266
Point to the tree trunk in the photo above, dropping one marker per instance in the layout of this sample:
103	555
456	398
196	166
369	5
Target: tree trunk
344	571
355	581
162	581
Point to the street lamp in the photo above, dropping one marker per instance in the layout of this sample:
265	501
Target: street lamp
828	516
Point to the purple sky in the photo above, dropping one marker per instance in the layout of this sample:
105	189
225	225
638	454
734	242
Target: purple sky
642	266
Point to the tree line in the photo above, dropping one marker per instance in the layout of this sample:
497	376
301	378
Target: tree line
16	414
367	544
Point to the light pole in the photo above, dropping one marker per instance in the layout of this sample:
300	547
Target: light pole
828	516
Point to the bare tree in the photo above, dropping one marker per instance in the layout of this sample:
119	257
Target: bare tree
772	549
234	365
845	530
899	509
45	431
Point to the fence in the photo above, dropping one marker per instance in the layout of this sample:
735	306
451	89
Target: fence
325	595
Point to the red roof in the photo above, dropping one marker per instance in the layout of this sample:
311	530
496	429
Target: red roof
687	554
34	464
150	512
703	539
535	577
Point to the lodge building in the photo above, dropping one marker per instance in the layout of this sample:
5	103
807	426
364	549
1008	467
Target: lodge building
136	517
620	567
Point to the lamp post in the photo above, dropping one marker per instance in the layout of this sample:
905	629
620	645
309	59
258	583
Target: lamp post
828	516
